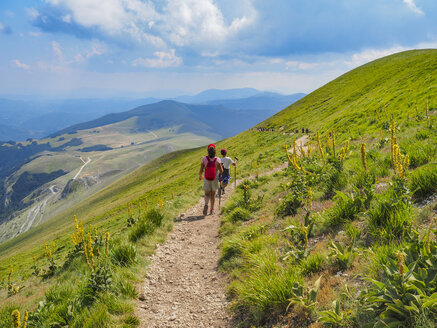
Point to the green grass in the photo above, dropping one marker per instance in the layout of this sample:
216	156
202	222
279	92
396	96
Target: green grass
266	288
374	204
346	208
423	182
123	254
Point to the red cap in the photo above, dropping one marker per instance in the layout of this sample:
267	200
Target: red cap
224	150
211	145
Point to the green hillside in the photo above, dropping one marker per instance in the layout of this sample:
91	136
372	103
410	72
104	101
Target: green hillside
360	107
396	82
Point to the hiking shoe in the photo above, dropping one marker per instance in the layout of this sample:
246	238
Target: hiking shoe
223	191
205	210
212	212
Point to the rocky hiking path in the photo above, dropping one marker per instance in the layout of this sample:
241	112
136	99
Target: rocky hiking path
183	287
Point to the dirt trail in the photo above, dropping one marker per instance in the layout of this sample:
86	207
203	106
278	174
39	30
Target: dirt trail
183	287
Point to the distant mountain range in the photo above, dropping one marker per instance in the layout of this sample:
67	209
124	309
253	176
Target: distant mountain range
216	94
23	119
215	121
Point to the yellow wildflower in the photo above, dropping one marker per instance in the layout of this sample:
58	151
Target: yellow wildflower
16	318
363	156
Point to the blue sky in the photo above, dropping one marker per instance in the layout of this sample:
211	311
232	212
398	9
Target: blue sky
164	47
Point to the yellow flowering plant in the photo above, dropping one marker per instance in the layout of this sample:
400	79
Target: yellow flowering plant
319	144
12	288
101	276
78	236
49	254
16	319
130	215
35	267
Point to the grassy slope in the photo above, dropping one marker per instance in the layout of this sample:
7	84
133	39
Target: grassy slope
352	106
347	104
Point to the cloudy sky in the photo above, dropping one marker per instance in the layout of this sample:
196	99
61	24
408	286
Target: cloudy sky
165	47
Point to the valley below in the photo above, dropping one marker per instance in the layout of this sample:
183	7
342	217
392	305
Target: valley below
87	172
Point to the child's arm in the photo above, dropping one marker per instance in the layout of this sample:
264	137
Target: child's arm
219	166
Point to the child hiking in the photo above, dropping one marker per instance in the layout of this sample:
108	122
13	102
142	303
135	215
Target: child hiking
226	175
211	165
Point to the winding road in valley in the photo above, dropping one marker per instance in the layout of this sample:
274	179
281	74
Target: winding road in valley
82	167
32	214
154	134
35	210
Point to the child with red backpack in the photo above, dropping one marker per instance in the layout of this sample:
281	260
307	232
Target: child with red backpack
211	165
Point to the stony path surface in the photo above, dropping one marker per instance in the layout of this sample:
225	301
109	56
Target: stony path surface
183	287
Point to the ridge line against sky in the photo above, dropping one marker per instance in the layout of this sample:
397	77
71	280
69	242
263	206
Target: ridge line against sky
149	46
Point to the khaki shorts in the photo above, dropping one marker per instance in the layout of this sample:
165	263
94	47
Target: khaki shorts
210	185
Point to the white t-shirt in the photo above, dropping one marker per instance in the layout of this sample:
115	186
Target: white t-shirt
227	162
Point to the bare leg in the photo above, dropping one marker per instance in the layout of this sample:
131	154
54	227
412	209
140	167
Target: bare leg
207	195
212	199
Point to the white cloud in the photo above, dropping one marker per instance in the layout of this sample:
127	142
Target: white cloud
112	16
300	65
97	48
32	13
79	58
5	29
19	64
58	69
35	34
369	55
162	60
412	5
66	18
179	22
201	22
57	50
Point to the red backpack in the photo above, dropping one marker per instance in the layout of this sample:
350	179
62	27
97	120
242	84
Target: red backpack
210	170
